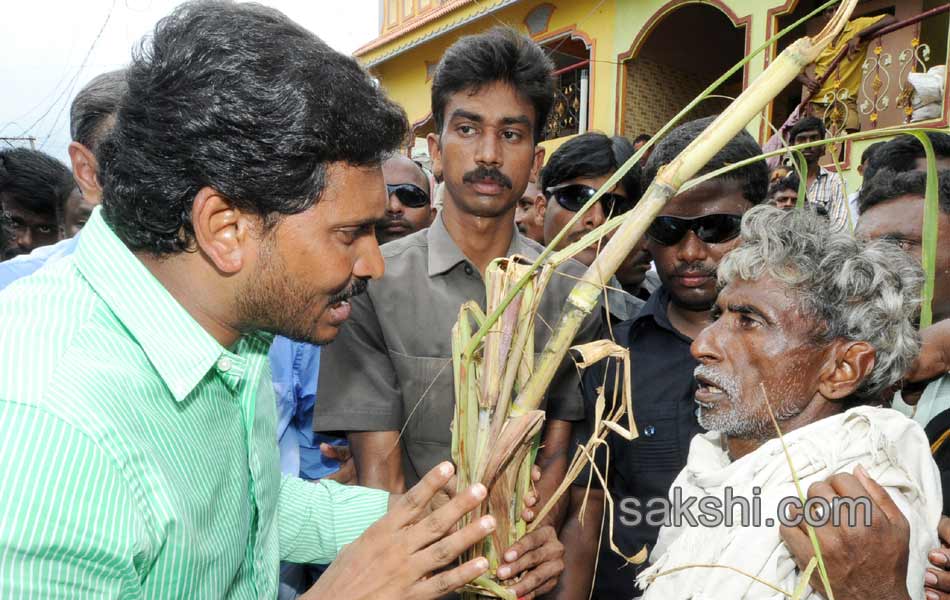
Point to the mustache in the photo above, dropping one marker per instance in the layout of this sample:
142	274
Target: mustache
693	268
354	289
727	383
393	220
483	173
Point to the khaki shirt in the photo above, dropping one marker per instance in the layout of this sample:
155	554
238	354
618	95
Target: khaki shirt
390	368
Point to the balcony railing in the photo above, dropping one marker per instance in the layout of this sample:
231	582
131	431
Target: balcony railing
886	92
569	112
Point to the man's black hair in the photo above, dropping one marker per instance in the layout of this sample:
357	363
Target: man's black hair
93	109
6	232
789	182
501	54
869	152
643	137
591	154
754	176
806	124
35	181
901	153
239	98
888	184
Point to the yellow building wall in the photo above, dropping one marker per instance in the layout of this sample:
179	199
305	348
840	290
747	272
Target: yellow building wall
404	77
613	28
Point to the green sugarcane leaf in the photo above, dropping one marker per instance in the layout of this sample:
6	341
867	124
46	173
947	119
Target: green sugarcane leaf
929	240
802	165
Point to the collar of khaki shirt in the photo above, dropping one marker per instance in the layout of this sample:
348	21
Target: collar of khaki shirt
444	253
180	350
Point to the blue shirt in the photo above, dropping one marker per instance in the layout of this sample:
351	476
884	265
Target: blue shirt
294	366
21	266
294	369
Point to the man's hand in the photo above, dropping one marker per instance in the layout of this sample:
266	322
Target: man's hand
530	499
863	563
810	83
399	556
937	579
854	48
540	556
346	474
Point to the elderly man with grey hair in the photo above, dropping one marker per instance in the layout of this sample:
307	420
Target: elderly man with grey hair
808	331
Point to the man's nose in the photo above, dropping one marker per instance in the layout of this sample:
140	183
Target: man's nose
24	238
369	260
488	151
594	217
393	205
692	249
705	348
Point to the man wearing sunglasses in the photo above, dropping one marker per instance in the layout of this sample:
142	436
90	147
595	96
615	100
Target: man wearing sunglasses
695	230
409	208
571	177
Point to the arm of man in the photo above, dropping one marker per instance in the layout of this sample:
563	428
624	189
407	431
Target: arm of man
581	543
358	392
71	525
863	563
377	456
406	554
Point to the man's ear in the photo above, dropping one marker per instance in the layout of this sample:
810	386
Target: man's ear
538	162
223	232
540	207
85	165
849	364
435	153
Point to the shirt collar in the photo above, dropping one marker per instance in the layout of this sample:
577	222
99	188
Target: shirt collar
444	253
180	350
655	310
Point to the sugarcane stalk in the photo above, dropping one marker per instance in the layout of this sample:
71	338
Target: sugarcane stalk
583	298
637	156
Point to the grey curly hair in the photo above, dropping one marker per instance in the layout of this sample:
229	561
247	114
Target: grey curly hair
855	290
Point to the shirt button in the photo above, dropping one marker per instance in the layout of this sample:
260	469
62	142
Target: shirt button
649	431
224	364
468	270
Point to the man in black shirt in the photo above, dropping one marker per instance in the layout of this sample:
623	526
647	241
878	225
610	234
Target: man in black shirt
687	241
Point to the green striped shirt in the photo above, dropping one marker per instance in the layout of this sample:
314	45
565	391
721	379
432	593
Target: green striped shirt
138	456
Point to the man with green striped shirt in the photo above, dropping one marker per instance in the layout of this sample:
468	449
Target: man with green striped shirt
241	186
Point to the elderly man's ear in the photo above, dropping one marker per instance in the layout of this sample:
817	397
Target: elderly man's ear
848	365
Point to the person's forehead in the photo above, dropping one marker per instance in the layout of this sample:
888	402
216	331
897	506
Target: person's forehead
943	163
771	297
710	197
401	169
352	194
808	133
903	214
494	103
530	191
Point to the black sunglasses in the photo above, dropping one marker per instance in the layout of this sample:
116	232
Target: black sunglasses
573	197
711	229
409	195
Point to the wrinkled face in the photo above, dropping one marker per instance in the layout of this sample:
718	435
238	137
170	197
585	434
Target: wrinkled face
812	155
758	340
401	220
901	221
78	210
785	199
556	217
486	152
526	218
688	268
30	229
311	263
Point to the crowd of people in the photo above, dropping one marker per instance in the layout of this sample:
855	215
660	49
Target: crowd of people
226	340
